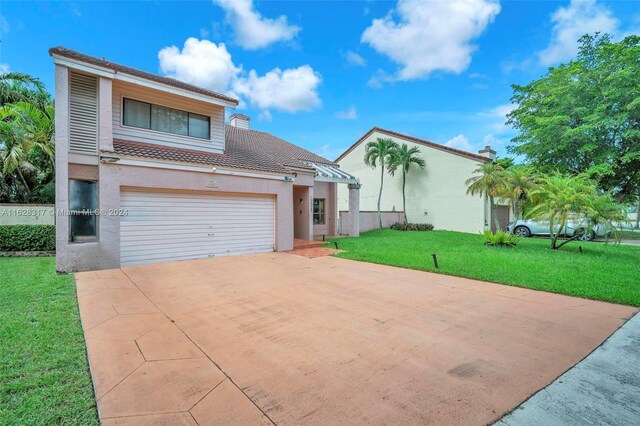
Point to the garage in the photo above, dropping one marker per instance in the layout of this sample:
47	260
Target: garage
169	226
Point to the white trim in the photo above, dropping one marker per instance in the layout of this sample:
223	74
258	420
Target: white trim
140	81
77	158
194	168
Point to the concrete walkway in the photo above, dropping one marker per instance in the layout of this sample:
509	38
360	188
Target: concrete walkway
277	338
603	389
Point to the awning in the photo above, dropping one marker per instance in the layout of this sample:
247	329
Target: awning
328	173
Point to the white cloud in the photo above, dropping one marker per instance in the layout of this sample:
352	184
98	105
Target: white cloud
427	36
329	152
4	25
355	59
497	117
350	114
572	22
252	30
493	141
4	68
291	90
459	142
201	62
210	65
480	86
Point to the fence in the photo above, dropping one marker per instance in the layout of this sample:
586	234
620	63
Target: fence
27	214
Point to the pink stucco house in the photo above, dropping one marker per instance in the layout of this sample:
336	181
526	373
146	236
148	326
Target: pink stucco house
148	171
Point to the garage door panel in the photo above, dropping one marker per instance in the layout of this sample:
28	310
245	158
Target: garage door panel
162	227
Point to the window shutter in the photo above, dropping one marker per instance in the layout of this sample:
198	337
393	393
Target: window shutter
83	114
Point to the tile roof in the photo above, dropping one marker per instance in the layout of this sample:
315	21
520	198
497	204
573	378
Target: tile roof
78	56
245	149
413	139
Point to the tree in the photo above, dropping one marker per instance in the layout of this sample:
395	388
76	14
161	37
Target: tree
16	87
404	157
380	151
491	182
584	116
519	181
561	198
27	163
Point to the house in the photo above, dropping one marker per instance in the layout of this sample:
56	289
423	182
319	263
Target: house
435	195
148	171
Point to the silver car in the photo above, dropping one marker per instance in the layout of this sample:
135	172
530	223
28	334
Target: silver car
528	228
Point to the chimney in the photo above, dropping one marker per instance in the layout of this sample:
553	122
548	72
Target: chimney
240	121
488	152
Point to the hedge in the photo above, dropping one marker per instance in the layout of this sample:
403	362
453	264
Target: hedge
399	226
27	238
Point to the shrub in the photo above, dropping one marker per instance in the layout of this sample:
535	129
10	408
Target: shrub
499	239
27	237
412	226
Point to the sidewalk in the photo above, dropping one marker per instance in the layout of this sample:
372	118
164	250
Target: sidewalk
602	389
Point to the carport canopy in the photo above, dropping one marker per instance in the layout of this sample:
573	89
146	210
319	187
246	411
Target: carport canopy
329	173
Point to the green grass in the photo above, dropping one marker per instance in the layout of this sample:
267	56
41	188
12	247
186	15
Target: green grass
44	374
631	234
603	271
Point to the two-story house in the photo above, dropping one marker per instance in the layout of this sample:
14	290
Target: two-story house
148	171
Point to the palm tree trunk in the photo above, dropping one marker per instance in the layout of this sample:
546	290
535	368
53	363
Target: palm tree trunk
404	199
27	195
494	213
380	193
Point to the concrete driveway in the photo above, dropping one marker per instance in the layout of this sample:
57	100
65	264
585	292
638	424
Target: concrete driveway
278	338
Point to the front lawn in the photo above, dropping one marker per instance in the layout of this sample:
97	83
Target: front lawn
603	271
44	375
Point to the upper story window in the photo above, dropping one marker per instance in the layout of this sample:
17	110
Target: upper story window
163	119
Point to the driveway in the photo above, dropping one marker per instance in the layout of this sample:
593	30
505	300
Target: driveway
279	338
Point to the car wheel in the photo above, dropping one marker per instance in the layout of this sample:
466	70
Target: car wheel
585	235
522	231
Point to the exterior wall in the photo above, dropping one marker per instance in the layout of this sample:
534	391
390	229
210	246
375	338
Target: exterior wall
439	190
105	253
369	220
125	90
302	214
27	214
327	190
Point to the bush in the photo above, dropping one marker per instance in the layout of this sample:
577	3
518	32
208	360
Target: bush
499	239
27	237
412	226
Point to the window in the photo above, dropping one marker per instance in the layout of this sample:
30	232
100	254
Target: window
318	211
163	119
83	204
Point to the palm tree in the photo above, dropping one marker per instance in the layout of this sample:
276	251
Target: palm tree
404	157
380	151
17	87
560	198
519	181
491	182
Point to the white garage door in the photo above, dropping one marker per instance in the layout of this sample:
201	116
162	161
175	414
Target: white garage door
163	227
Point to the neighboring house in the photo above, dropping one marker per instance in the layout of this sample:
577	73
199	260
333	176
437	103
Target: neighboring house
435	195
148	171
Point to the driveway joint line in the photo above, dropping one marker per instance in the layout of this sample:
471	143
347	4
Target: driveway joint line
123	379
206	394
198	346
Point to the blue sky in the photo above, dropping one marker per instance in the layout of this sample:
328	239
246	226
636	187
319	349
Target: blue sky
320	74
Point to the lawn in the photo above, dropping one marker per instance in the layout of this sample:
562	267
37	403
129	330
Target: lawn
44	374
602	271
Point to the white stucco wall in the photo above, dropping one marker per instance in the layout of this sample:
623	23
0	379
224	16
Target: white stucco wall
439	189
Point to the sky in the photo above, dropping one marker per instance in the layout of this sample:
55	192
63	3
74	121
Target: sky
320	74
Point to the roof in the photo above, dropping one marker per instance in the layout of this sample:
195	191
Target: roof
78	56
415	140
244	149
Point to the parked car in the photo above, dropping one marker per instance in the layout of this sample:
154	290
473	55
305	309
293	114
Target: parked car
528	228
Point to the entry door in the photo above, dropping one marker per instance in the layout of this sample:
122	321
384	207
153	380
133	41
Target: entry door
503	217
165	226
